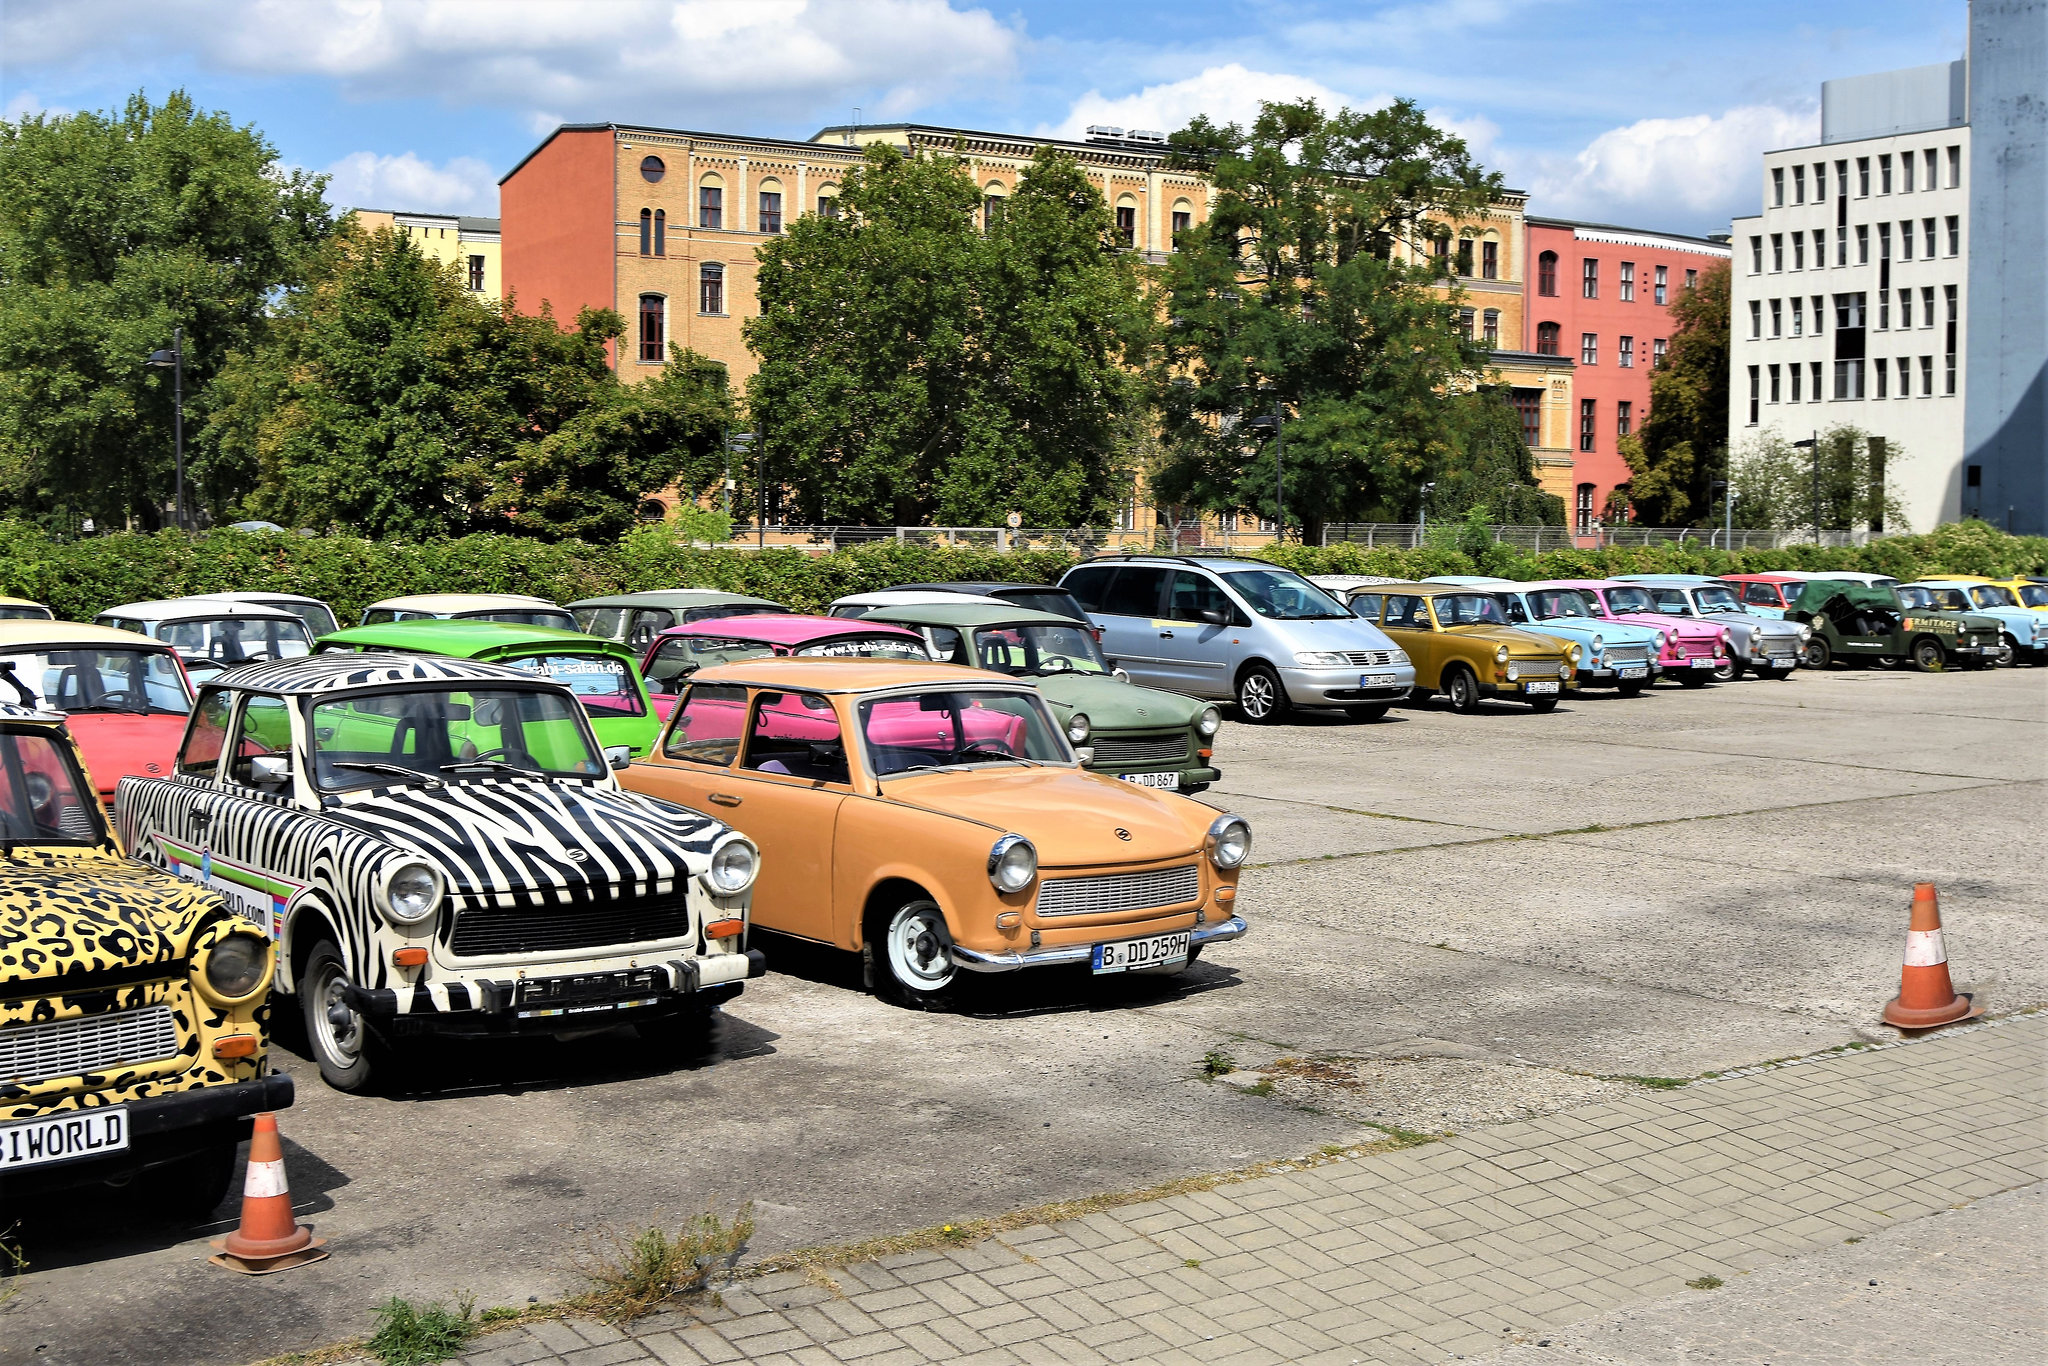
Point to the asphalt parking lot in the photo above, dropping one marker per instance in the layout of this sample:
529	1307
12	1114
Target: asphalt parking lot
1456	919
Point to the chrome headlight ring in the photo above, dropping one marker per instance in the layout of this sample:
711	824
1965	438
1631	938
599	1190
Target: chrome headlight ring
1500	655
1209	722
1229	841
410	891
1012	864
735	864
1079	728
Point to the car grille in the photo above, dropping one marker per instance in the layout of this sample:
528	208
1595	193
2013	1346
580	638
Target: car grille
1625	656
540	929
93	1043
1696	649
1142	750
1369	659
1536	668
1106	893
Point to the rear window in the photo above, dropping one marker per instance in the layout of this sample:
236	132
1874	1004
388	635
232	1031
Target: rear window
1044	600
608	622
550	616
602	684
1088	584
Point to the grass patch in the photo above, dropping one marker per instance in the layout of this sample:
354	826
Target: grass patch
1852	1240
1217	1063
1191	1262
1706	1283
1655	1083
630	1275
419	1335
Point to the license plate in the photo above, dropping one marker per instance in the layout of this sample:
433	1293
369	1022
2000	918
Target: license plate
1639	671
1169	781
76	1133
591	988
1540	687
1157	951
1377	680
1700	663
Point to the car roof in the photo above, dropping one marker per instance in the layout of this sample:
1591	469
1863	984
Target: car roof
459	602
1772	577
675	597
1346	582
23	602
1670	580
905	597
986	587
1959	578
792	628
260	598
469	638
186	609
970	615
60	633
1203	561
849	675
1473	581
311	675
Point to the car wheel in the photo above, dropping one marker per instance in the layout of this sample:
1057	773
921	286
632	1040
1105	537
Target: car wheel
2008	652
1542	705
1376	712
1928	656
916	966
1463	689
1261	699
339	1037
1817	654
1630	689
1727	671
192	1187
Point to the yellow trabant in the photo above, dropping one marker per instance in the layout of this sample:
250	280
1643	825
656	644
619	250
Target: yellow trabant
1464	648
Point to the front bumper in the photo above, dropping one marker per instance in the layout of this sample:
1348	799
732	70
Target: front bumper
1074	955
1345	687
548	1004
164	1129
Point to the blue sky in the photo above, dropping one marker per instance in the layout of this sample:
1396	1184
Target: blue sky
1650	114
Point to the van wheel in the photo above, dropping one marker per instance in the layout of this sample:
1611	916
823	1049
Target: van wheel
1260	697
1817	654
1463	689
1928	656
340	1038
915	966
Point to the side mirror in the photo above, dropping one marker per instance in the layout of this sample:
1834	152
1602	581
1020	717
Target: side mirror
1212	616
271	769
618	756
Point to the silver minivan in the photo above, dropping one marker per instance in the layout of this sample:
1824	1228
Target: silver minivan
1239	629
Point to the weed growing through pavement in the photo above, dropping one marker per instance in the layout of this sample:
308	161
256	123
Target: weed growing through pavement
12	1263
1654	1083
1217	1063
1852	1240
953	1233
631	1275
414	1335
1706	1283
1191	1262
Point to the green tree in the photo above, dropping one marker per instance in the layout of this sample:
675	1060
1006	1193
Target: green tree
1775	483
1682	446
114	230
917	365
1316	284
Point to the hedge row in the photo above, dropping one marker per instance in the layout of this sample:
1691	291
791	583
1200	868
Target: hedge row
81	578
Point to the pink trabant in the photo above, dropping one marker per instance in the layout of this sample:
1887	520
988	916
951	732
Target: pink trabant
1692	649
675	654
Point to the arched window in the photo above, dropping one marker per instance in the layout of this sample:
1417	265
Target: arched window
1127	221
1546	338
653	316
1546	274
661	232
770	218
1183	217
992	196
711	288
647	232
828	201
710	202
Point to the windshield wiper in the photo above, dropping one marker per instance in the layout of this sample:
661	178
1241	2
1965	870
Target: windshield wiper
498	764
377	766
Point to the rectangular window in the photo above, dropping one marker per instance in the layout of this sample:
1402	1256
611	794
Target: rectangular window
1798	316
476	272
1949	354
1927	377
1842	245
661	232
1820	248
711	289
1625	353
1862	244
1863	177
1756	318
1777	251
1756	256
1951	375
1814	393
1589	422
1884	241
1884	308
1884	173
1798	184
1929	164
1546	339
1795	382
1589	279
1692	279
1955	167
1623	417
710	206
1657	289
1777	317
1905	307
1489	260
1905	173
1755	400
1529	406
1657	354
1927	238
1848	379
1589	348
1927	306
1905	377
1774	386
1183	219
771	211
1799	251
1491	331
1878	368
1465	258
828	206
1777	187
1849	309
1628	282
1906	239
652	315
1465	317
1127	224
1546	274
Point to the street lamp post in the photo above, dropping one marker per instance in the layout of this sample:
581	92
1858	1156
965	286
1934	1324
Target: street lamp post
1422	513
1812	443
1274	424
174	361
1727	492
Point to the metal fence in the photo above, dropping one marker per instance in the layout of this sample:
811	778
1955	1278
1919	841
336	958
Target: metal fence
1186	537
1540	538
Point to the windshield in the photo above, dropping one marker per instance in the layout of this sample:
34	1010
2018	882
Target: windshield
1918	599
1717	599
17	612
1283	596
440	735
1558	602
1629	600
941	729
713	611
865	647
1039	650
602	684
1990	595
100	679
1671	602
677	657
2034	594
1945	600
42	794
232	640
1468	609
536	616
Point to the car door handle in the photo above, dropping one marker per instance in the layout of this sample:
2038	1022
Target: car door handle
1166	635
725	799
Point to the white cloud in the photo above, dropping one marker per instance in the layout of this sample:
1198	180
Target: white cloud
1227	94
721	61
23	103
366	180
1702	169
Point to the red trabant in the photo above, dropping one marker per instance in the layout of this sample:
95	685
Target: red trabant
125	696
1765	595
675	654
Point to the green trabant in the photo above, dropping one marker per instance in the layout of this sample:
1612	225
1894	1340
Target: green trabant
604	675
1870	621
1141	735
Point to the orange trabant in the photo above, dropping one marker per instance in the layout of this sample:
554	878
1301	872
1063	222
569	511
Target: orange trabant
936	821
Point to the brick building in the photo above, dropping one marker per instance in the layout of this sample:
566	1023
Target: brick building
471	244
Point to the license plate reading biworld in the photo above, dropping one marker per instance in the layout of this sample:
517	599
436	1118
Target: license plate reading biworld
1160	949
77	1133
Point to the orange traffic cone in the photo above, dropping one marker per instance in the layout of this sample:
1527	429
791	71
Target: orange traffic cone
268	1240
1926	996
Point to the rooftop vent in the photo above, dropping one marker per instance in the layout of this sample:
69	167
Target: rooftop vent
1146	135
1102	130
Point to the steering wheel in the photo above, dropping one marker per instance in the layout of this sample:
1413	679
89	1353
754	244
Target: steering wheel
1055	664
501	752
120	697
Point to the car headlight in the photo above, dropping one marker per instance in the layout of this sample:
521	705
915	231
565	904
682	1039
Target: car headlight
1514	671
1209	722
1662	642
1400	656
237	966
1078	728
411	892
1571	653
1320	659
1500	656
733	866
1229	840
1599	643
1012	863
1805	634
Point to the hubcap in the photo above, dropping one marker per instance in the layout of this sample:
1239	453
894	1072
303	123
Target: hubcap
342	1040
917	948
1256	696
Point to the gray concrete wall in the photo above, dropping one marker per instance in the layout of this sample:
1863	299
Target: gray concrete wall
2005	430
1887	103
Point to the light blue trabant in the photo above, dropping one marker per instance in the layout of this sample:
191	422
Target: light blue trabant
2023	631
1611	653
1767	647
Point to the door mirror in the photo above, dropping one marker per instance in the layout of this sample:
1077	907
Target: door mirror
1212	616
618	756
269	770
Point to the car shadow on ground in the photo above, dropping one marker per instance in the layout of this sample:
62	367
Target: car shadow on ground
1007	995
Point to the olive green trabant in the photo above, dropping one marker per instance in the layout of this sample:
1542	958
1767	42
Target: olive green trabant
1870	621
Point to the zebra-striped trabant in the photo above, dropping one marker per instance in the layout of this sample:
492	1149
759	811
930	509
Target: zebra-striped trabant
440	844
